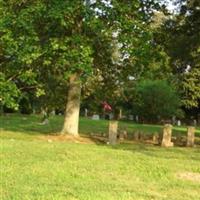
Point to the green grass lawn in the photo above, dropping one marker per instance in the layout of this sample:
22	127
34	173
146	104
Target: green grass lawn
35	169
28	126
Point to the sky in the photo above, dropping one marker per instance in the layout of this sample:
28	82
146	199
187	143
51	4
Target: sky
170	5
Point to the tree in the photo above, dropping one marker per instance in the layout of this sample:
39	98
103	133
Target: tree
180	37
73	40
9	93
155	99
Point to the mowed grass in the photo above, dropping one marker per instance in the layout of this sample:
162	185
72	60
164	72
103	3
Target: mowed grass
33	169
27	126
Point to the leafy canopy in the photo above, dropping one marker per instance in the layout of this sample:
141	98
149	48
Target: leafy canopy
65	37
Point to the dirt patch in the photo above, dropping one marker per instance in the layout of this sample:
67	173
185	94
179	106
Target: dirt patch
70	138
189	176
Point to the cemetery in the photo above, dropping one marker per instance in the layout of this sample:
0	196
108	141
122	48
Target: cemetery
103	163
99	100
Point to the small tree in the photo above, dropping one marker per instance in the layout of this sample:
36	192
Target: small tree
156	99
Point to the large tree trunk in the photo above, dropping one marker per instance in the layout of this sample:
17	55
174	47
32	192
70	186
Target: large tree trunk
71	121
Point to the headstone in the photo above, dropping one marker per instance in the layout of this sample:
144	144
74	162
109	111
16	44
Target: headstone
190	136
121	136
131	117
125	134
44	122
179	138
174	120
95	117
137	118
179	123
167	134
155	138
53	112
86	112
120	113
111	116
43	112
141	135
113	126
136	135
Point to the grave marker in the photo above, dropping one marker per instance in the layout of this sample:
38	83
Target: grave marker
95	117
155	137
167	134
190	136
113	126
136	135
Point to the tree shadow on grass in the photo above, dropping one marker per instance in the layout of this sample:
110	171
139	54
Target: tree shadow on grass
31	125
28	124
28	127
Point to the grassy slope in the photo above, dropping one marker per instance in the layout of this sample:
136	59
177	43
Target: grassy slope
32	169
27	126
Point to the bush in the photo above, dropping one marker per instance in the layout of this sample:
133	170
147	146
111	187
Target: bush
156	99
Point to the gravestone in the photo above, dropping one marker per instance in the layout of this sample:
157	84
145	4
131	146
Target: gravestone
174	120
190	136
53	112
137	118
95	117
125	134
86	112
111	116
136	135
44	122
120	113
131	117
155	137
167	134
113	126
179	123
121	136
195	122
141	135
179	138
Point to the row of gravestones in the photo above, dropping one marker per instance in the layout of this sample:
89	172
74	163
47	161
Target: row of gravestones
166	136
